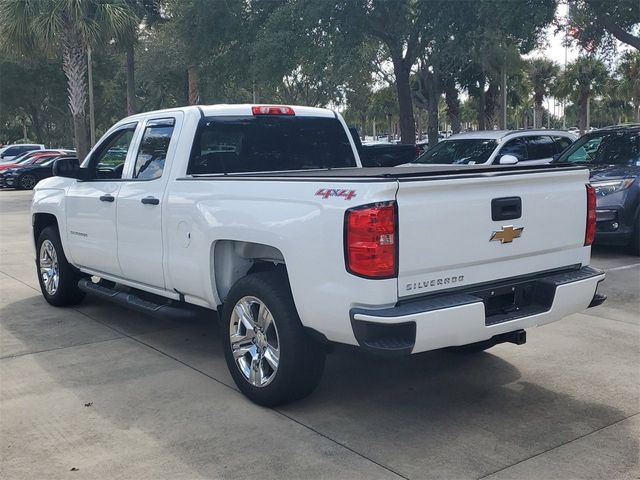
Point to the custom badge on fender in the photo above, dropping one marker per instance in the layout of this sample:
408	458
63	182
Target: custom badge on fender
336	192
506	234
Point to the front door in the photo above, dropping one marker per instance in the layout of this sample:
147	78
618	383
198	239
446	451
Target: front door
91	204
141	200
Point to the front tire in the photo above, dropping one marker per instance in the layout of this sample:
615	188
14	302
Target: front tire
269	355
26	182
634	245
58	279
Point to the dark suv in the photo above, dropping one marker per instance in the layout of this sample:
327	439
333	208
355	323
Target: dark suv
613	157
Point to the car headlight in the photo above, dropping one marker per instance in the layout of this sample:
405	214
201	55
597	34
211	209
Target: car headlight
612	186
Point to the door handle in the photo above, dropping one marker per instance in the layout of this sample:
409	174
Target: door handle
107	198
150	201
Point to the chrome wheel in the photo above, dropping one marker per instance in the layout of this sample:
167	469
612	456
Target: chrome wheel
49	268
254	341
28	182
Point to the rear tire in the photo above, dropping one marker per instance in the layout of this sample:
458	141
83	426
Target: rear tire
57	277
271	358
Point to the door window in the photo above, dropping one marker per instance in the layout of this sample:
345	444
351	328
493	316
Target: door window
107	162
562	143
153	149
516	147
540	147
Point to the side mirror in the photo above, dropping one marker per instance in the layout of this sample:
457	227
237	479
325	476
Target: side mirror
69	168
508	160
1	155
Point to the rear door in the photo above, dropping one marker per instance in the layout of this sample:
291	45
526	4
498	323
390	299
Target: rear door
140	201
468	229
91	205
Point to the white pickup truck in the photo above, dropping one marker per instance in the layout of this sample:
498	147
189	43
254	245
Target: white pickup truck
264	214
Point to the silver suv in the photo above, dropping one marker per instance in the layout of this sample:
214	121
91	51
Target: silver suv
504	147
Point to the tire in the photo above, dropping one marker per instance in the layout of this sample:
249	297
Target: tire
263	301
26	182
470	348
51	261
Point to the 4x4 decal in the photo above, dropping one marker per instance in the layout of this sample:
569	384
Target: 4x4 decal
336	192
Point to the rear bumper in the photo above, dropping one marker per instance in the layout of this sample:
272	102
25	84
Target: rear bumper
475	315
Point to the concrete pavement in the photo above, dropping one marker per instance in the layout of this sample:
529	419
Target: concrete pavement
115	394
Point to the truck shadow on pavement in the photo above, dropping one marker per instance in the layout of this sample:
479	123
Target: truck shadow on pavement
437	414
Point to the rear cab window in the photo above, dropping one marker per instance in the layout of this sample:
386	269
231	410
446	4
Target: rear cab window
269	143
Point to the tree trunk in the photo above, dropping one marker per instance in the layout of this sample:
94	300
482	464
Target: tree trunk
453	107
74	64
491	103
131	79
194	85
36	124
403	87
539	115
583	106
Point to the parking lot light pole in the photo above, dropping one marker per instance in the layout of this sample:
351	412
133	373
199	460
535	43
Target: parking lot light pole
92	117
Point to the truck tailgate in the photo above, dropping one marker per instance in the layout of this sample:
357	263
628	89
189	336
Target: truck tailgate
446	227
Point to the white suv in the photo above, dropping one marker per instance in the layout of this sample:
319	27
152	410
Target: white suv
10	152
505	147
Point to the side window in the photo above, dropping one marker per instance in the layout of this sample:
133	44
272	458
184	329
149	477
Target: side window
153	149
13	151
107	162
516	147
540	147
562	143
620	149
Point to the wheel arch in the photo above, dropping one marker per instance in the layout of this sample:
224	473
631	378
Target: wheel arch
40	221
232	260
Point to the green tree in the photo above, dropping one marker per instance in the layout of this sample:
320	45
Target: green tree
69	27
629	86
594	23
582	79
542	74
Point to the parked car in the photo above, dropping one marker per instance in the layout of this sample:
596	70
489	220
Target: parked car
27	159
613	157
265	214
26	177
383	154
505	147
9	152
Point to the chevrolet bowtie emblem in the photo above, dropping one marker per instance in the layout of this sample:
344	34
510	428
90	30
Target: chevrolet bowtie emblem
507	234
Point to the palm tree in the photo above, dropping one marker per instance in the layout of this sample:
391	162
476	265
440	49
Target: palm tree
583	78
629	87
541	75
68	27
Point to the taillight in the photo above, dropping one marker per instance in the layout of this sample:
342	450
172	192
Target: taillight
590	232
272	110
371	240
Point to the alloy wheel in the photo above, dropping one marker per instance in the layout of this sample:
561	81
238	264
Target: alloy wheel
255	344
49	267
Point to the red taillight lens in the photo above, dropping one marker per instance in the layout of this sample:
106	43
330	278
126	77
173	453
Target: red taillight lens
590	233
272	110
371	240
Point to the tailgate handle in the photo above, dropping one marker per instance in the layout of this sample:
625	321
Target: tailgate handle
506	208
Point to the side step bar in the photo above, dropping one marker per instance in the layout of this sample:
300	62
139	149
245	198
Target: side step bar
169	309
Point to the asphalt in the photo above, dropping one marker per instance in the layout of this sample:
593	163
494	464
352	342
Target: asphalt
100	392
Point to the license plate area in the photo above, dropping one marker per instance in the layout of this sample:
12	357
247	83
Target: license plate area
509	302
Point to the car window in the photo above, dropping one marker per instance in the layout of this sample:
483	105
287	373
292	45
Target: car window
269	143
462	151
107	161
152	152
13	151
609	148
516	147
562	143
540	147
618	149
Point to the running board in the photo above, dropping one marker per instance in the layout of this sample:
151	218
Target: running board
170	309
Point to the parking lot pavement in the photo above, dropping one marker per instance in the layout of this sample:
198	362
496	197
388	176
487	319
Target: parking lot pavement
118	395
